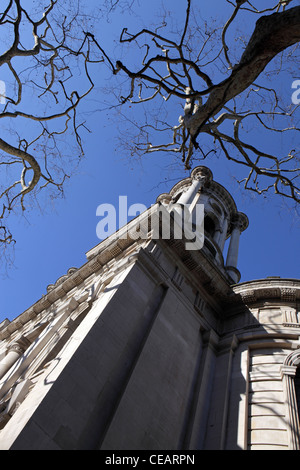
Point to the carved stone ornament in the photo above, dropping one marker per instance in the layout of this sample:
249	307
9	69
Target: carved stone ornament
249	296
203	174
16	347
20	345
288	294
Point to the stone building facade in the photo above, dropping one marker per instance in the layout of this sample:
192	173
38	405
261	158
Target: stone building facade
153	346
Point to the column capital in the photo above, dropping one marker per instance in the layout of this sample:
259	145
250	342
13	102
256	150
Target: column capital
202	174
19	346
164	198
240	221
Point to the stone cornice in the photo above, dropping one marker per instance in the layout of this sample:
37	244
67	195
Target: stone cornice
285	290
106	251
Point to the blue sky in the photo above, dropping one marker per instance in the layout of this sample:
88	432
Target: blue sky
52	241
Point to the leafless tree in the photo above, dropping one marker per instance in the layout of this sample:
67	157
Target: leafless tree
216	80
211	76
45	47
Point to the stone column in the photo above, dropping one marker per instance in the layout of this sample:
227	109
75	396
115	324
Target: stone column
200	176
240	223
14	352
217	235
192	220
222	237
188	196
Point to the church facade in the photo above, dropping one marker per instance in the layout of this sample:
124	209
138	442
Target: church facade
153	346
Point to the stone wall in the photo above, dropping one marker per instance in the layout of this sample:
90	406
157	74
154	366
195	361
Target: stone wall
146	353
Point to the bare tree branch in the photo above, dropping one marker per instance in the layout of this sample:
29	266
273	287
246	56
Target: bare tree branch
181	71
59	45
